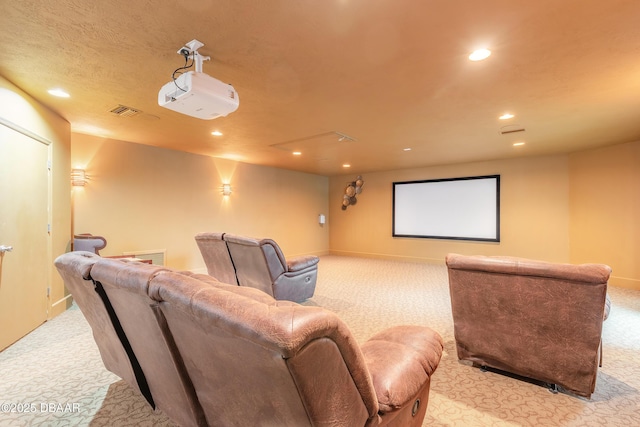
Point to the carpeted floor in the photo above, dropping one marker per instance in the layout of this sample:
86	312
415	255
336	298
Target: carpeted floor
55	377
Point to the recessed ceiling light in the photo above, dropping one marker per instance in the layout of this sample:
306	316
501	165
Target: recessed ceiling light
216	133
297	153
58	92
518	144
406	149
480	54
506	116
346	165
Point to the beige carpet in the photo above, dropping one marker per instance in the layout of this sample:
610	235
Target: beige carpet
56	372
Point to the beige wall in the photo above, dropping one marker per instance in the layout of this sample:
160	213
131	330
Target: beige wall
605	210
578	208
22	110
534	212
146	198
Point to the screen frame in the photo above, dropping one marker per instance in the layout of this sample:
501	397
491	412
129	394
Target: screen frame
496	233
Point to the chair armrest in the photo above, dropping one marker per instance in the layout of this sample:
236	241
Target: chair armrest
607	307
302	262
401	360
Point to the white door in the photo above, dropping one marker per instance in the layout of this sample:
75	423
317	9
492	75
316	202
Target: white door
24	200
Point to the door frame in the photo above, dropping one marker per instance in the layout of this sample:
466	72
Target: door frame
49	144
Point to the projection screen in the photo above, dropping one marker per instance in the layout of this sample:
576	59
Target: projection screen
454	208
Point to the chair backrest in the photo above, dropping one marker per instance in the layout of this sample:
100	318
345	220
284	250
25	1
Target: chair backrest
126	286
533	318
89	243
258	262
216	257
252	358
115	349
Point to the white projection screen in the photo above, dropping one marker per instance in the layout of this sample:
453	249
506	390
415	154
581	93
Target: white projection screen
454	208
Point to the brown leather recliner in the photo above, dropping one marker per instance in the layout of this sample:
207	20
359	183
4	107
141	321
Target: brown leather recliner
253	360
115	349
260	264
531	318
125	284
89	243
215	254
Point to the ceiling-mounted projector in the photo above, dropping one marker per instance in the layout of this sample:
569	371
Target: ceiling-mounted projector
197	94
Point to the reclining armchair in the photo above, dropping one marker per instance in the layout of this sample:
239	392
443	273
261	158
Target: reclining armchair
535	319
115	350
125	284
259	263
256	361
220	354
112	295
89	242
215	254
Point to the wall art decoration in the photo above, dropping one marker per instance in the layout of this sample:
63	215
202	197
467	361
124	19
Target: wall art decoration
351	192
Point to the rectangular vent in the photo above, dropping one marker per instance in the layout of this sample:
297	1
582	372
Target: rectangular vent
504	132
314	141
157	256
124	111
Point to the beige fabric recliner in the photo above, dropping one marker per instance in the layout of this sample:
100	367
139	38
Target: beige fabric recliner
531	318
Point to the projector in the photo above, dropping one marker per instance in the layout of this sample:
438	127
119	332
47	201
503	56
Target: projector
199	95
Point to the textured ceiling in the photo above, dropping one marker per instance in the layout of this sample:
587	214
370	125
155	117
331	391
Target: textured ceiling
389	74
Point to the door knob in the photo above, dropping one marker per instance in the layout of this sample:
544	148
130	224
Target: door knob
4	248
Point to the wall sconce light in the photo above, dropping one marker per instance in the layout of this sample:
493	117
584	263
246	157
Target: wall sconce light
78	177
226	189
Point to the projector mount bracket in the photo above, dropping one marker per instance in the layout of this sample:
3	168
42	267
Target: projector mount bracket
190	50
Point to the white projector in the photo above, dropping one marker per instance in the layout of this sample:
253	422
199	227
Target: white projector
199	95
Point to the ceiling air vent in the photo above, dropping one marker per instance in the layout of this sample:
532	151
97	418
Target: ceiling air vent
511	129
124	111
